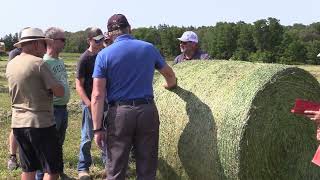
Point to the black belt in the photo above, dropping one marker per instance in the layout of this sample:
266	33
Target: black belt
60	106
134	102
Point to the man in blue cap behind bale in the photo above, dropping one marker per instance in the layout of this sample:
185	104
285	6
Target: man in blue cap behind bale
123	76
189	46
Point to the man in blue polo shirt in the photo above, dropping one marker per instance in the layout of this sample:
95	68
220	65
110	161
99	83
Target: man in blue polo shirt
123	76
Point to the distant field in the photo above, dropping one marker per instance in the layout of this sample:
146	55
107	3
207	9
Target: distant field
71	147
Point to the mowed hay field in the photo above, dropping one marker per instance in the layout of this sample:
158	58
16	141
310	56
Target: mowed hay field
71	146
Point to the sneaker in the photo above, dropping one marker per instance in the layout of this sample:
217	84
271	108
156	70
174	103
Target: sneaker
13	163
84	175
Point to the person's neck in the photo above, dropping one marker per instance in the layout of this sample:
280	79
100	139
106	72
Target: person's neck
52	53
93	50
26	52
189	55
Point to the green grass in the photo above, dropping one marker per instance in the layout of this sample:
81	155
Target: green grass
71	145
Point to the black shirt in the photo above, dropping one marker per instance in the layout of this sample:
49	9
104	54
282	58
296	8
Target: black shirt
85	68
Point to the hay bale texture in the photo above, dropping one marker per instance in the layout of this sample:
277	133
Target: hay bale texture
232	120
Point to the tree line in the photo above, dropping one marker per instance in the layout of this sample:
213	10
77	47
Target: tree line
265	40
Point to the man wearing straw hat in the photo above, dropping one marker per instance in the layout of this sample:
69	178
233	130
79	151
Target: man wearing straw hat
13	161
31	87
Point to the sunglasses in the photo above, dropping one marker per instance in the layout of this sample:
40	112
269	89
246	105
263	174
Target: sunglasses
184	43
99	41
61	39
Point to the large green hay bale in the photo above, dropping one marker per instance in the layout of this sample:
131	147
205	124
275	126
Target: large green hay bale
232	120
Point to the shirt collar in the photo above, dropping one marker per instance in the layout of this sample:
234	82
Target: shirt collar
47	57
123	37
195	55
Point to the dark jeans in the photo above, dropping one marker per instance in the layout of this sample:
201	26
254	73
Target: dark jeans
61	118
129	126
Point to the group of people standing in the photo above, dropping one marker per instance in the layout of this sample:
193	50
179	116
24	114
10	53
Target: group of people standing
115	87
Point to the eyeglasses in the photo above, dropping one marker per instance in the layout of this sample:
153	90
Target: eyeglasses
61	39
99	41
184	42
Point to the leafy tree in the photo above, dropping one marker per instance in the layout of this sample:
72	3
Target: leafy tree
76	42
313	49
245	42
224	40
296	52
262	56
9	41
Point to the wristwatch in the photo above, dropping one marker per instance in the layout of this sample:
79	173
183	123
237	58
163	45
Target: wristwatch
98	130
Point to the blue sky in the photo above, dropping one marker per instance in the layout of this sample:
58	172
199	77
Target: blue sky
75	15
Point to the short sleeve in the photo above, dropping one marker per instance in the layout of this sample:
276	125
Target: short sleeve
176	60
100	67
81	67
160	62
205	56
47	76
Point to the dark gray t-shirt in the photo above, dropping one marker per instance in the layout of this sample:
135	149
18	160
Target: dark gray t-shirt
85	68
15	52
199	55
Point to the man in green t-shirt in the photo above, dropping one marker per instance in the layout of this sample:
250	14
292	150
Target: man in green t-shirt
58	69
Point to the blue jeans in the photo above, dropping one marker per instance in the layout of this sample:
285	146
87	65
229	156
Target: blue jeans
85	159
61	118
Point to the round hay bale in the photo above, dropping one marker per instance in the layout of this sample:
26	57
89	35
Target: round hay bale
232	120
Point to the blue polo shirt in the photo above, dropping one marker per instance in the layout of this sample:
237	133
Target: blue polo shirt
128	66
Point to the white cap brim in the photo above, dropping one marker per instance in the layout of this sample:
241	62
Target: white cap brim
186	40
98	37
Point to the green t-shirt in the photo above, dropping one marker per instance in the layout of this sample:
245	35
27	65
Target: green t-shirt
58	69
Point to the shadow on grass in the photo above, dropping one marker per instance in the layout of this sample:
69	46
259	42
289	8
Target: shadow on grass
197	146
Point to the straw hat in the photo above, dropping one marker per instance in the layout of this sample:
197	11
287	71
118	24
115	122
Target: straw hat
31	34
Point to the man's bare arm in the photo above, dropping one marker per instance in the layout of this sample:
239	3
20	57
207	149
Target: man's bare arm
81	92
58	90
97	101
170	77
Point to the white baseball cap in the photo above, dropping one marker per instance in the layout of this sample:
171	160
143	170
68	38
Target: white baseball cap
189	36
318	55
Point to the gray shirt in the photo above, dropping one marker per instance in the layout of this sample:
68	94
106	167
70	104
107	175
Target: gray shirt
15	52
198	55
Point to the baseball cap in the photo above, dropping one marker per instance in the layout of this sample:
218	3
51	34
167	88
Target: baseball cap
117	21
95	33
189	36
